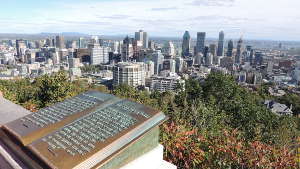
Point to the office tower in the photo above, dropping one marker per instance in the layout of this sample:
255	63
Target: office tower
158	58
98	54
169	65
179	64
186	44
220	51
127	49
151	45
258	58
38	44
10	43
90	130
238	56
248	54
213	49
143	37
115	46
169	49
30	56
81	43
102	42
149	68
205	51
200	42
208	57
145	40
21	47
48	42
129	73
94	40
198	59
53	42
230	48
71	44
60	42
137	47
251	57
20	44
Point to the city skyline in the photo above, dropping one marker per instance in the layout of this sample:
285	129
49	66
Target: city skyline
160	18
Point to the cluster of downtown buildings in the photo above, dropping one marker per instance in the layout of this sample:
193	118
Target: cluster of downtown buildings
156	65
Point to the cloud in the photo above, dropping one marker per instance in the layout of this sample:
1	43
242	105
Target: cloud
211	3
115	17
164	9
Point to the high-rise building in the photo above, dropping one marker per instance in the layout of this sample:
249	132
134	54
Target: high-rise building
48	42
179	64
129	73
169	65
230	48
186	44
220	51
60	42
80	43
200	42
137	47
20	44
198	59
238	56
143	37
169	49
149	69
127	49
151	45
158	58
21	47
98	54
213	49
258	58
71	44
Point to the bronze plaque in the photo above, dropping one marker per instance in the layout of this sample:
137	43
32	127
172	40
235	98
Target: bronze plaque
84	130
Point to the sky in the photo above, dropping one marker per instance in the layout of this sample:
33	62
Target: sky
252	19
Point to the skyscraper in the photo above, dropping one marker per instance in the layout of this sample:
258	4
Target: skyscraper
98	54
213	49
143	37
127	49
239	51
169	49
186	44
220	51
48	42
230	48
158	58
60	42
21	47
80	43
200	42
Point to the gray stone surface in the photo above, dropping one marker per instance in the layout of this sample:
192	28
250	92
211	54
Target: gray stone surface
10	111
